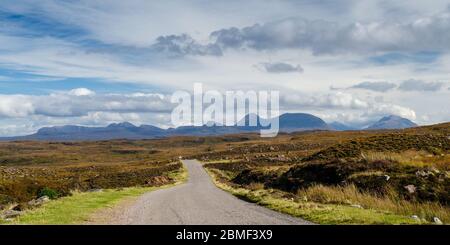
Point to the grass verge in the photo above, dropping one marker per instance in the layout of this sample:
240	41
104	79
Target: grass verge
390	202
78	207
312	211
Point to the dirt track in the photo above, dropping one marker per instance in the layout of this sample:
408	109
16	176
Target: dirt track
197	202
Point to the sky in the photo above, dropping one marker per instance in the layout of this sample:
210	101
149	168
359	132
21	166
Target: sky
94	62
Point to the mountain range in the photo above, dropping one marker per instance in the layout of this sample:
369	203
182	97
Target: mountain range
289	122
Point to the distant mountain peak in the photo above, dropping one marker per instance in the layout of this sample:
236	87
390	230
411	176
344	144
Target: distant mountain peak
392	122
63	129
293	121
122	125
390	117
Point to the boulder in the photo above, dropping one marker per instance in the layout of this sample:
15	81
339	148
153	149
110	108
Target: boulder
10	214
43	199
410	188
415	217
38	202
356	206
437	221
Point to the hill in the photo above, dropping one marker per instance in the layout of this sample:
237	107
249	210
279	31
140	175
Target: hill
392	122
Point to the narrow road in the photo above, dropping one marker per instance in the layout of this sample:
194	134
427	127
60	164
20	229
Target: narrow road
199	202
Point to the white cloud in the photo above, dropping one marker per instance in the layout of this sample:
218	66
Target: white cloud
81	92
332	100
81	102
342	104
16	127
390	109
15	106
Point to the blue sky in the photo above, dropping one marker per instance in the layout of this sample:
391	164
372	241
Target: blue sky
19	82
93	62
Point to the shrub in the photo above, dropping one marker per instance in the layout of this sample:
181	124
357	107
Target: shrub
52	194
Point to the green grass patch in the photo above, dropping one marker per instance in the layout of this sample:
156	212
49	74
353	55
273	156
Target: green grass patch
78	207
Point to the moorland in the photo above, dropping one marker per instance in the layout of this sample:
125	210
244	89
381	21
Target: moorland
329	177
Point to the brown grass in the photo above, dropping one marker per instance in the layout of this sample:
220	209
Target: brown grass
410	158
350	195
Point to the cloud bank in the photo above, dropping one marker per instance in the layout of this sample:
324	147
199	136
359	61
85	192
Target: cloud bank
326	37
80	102
86	107
419	85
